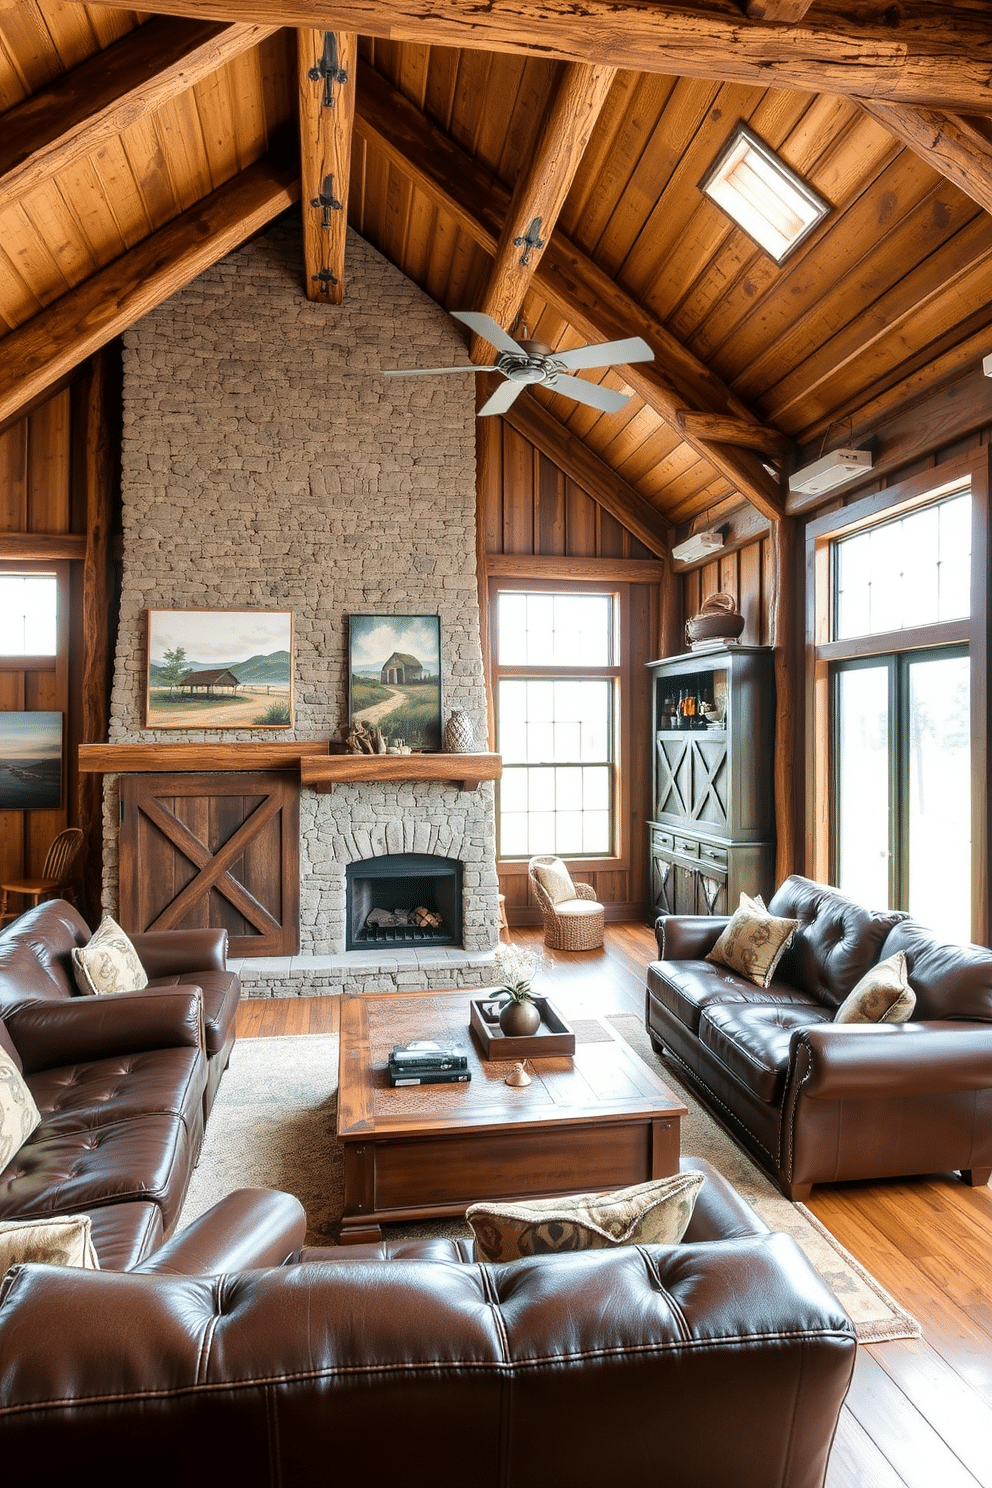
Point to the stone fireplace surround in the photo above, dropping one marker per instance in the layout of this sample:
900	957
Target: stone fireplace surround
266	464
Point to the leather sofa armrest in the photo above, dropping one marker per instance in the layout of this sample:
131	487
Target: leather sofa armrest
688	937
247	1229
719	1212
48	1034
865	1061
172	952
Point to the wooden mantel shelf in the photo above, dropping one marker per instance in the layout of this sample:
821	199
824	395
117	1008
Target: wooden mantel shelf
318	769
335	769
126	759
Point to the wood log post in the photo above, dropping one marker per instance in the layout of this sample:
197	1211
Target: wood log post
97	424
782	632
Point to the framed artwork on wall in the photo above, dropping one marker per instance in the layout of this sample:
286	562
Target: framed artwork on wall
394	678
219	669
30	761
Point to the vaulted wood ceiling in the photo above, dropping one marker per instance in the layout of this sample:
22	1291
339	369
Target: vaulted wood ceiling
136	150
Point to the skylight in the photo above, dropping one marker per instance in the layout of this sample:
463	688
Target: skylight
762	195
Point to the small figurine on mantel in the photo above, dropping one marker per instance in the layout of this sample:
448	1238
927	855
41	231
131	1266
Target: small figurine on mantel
364	738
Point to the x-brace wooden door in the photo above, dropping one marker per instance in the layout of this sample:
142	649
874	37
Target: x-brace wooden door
213	849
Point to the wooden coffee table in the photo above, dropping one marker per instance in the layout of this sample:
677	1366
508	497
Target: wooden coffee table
597	1120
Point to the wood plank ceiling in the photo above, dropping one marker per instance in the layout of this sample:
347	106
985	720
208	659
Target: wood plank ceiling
135	150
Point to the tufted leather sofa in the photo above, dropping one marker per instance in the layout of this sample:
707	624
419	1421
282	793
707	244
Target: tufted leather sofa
123	1083
721	1361
814	1101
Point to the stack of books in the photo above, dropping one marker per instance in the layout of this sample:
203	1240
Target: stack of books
424	1062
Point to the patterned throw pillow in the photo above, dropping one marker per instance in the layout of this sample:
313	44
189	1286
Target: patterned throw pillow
753	942
59	1240
555	880
18	1113
654	1213
109	963
883	995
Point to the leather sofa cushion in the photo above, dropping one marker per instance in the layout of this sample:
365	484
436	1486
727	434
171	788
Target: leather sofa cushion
124	1234
121	1088
686	988
753	1043
950	981
221	994
836	942
63	1172
49	933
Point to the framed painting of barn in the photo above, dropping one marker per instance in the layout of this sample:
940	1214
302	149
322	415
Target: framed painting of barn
219	669
394	680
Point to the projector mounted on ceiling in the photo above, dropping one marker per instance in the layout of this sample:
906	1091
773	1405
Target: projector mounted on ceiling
697	546
832	470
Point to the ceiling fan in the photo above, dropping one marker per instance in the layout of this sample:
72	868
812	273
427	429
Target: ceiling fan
524	363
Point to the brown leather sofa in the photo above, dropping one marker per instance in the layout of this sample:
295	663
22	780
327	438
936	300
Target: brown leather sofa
818	1102
123	1082
720	1361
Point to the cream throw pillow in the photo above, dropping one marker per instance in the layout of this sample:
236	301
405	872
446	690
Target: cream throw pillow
18	1113
753	942
883	995
109	963
555	880
59	1240
654	1213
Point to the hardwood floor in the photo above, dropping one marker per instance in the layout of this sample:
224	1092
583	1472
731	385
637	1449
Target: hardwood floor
919	1412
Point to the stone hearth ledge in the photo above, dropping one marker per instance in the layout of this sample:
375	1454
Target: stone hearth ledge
437	968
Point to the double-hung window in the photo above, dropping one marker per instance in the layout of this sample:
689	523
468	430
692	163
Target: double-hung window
556	683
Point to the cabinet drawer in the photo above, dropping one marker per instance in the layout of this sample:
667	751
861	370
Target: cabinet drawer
687	846
713	857
661	841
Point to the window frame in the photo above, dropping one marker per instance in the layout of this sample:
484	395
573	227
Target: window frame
617	673
971	469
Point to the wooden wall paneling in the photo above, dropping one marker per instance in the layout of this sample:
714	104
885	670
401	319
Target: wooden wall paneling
549	516
580	522
14	477
489	473
751	598
518	492
48	479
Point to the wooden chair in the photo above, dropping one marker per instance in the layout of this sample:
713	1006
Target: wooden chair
54	879
569	924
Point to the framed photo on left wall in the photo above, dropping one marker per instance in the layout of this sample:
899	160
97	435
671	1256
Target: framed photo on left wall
30	761
219	669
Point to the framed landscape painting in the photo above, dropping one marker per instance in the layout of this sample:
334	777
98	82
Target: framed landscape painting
30	761
394	678
219	669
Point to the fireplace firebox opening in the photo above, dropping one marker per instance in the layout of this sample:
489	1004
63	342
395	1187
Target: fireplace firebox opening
403	899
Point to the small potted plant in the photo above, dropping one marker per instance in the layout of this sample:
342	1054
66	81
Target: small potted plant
515	968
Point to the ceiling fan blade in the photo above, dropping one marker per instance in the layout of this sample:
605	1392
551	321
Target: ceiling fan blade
502	398
607	353
485	326
430	371
592	393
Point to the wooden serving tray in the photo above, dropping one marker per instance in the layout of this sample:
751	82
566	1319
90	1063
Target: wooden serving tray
553	1037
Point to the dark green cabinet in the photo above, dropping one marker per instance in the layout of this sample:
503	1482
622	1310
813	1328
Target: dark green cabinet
711	836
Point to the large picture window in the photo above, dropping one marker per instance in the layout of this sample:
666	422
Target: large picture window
899	700
556	681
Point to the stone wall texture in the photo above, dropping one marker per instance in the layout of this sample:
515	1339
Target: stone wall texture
268	465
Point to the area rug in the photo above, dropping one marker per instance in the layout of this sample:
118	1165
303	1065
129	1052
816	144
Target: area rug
273	1125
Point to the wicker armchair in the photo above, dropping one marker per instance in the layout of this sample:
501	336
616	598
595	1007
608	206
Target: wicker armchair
570	924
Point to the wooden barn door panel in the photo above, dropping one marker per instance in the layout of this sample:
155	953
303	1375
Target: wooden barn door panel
213	850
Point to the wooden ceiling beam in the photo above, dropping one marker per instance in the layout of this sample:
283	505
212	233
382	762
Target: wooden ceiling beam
958	148
541	189
62	335
726	430
935	54
585	296
326	75
92	103
582	465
